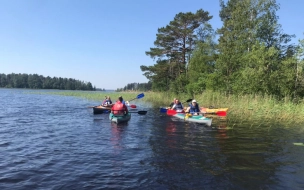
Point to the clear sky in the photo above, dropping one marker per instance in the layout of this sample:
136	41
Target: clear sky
99	41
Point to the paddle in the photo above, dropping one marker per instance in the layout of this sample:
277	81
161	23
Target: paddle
99	105
173	112
221	113
133	106
139	112
138	96
163	110
189	100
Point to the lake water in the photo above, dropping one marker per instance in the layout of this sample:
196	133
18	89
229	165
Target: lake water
55	142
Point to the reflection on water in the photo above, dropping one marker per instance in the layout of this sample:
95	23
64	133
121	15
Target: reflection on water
117	133
64	146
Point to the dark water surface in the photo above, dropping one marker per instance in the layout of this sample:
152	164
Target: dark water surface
55	142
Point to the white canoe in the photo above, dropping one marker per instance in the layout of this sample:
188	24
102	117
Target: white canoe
195	118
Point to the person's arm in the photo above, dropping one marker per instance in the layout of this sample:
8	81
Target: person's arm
103	102
126	109
172	108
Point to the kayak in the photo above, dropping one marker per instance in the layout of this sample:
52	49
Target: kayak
213	110
203	109
101	109
194	118
120	119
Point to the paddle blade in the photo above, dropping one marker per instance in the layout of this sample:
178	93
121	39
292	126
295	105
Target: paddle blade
140	95
163	110
221	113
142	112
171	112
133	106
187	101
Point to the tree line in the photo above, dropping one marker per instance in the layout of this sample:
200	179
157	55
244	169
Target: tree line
35	81
252	54
136	87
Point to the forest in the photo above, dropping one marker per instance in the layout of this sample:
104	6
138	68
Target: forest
248	54
35	81
136	87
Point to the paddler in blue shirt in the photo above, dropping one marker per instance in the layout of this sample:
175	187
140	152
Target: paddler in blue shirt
193	108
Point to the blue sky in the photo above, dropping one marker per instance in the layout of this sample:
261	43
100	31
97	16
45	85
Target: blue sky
99	41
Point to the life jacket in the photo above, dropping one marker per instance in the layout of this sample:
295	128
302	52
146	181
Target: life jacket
119	108
107	102
178	107
194	109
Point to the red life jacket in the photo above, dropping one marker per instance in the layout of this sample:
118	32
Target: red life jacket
119	108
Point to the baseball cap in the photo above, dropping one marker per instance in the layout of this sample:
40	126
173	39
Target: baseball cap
193	100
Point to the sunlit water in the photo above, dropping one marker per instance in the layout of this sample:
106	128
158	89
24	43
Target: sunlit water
55	142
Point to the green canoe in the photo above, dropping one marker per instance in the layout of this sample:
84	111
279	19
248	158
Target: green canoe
194	118
120	119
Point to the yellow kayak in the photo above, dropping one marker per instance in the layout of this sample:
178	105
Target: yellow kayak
213	110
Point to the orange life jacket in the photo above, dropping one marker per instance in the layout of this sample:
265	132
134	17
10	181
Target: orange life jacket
119	108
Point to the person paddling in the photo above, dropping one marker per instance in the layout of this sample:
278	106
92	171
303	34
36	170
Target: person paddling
172	103
178	106
119	108
122	100
193	108
107	101
104	101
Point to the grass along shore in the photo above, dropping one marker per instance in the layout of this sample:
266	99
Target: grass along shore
247	108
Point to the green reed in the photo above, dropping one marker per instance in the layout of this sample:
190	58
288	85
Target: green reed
93	95
242	108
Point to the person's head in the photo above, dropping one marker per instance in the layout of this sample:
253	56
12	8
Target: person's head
109	98
120	99
194	102
177	101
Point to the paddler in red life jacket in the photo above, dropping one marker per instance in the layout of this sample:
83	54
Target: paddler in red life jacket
119	108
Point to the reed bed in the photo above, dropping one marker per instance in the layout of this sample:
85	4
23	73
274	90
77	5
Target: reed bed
93	95
253	109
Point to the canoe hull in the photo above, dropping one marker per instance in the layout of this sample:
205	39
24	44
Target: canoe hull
213	110
202	109
101	109
120	119
195	119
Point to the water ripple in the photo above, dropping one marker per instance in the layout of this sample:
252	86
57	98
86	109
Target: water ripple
55	142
